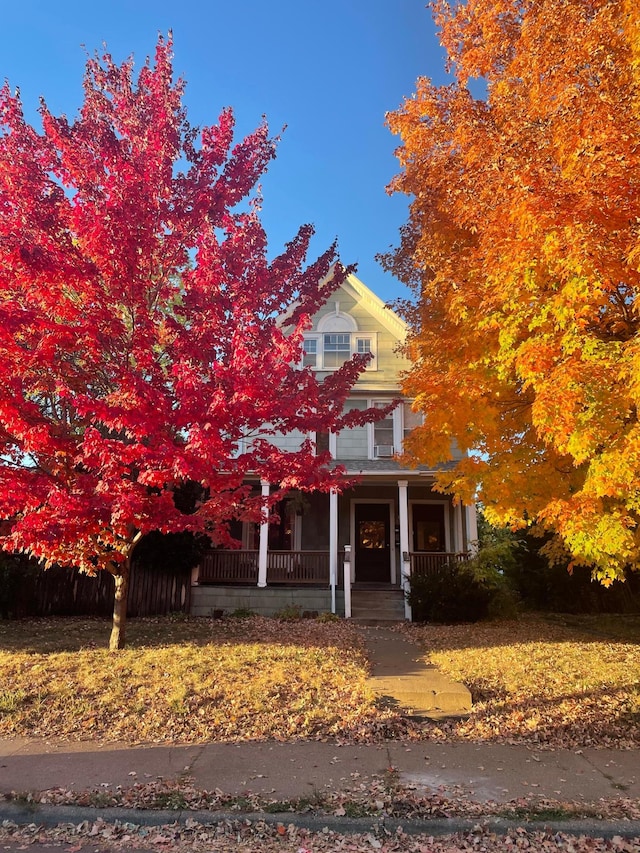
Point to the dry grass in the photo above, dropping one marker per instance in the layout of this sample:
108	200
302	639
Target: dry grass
543	681
183	681
536	680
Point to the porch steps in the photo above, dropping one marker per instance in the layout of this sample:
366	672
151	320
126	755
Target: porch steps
377	606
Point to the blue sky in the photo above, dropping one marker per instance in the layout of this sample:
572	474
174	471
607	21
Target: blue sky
327	69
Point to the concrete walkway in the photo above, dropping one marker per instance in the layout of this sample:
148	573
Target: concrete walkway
401	678
480	773
477	772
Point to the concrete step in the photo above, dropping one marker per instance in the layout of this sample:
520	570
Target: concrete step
401	678
395	610
377	606
418	699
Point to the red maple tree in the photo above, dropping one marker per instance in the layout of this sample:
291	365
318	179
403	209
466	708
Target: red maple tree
141	327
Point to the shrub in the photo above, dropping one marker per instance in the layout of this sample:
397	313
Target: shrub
450	595
463	592
289	613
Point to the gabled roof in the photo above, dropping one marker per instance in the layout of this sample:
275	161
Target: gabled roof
389	319
360	293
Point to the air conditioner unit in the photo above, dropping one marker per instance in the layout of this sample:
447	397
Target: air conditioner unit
381	450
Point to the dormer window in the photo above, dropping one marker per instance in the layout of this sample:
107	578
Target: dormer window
335	341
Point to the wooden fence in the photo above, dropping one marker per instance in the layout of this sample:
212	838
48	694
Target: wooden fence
67	592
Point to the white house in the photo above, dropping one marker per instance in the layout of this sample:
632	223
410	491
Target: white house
350	553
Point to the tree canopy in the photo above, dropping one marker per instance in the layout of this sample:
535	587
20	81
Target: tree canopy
522	248
142	341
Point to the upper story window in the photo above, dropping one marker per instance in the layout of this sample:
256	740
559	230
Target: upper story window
410	419
335	340
310	354
336	349
383	433
330	350
363	346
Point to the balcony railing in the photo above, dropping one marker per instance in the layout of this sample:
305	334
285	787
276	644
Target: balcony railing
293	568
432	562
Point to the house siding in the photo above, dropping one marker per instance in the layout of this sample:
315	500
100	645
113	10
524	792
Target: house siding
378	481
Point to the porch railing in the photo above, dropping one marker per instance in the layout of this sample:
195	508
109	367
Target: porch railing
298	567
229	567
283	567
432	562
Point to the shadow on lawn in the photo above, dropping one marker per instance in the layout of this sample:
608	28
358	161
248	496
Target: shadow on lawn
534	629
586	718
59	634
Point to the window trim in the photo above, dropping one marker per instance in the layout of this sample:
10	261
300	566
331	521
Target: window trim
354	339
376	402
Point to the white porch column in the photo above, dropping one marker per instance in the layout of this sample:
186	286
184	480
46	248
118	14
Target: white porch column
458	544
405	564
264	539
333	546
347	581
472	529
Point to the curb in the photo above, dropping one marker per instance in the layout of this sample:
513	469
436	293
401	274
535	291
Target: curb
50	816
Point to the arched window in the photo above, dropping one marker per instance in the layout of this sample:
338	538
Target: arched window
335	341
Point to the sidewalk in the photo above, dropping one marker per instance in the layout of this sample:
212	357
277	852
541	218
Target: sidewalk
467	773
477	772
463	774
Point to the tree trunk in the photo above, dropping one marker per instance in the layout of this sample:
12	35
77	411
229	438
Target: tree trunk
118	628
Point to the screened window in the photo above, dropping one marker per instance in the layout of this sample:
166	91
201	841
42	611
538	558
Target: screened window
322	442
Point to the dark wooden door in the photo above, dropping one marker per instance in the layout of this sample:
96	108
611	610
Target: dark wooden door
373	543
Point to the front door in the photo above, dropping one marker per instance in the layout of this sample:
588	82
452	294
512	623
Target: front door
373	543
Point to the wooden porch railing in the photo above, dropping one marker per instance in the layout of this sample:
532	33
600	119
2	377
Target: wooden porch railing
431	562
229	567
283	567
298	567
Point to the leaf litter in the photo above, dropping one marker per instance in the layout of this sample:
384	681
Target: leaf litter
502	662
260	836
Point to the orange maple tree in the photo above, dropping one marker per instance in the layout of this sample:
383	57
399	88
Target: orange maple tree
522	248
